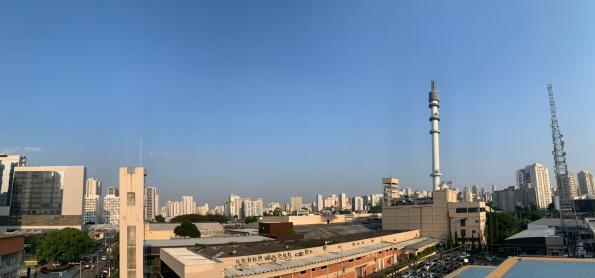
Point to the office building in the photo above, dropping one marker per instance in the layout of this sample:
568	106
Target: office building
151	203
295	203
536	176
7	164
203	210
586	184
188	205
46	197
132	184
512	199
92	202
111	206
390	189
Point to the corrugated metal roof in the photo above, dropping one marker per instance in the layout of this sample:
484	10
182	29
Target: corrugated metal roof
215	226
204	241
534	233
187	257
244	270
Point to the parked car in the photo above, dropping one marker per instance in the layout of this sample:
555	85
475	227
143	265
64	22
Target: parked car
103	258
44	270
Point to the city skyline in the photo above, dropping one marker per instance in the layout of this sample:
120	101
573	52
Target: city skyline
264	104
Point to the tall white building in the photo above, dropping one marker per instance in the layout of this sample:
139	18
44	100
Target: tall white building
7	164
203	210
252	208
319	203
188	205
536	176
151	203
132	184
344	202
233	206
390	189
586	184
111	206
573	185
358	203
92	202
295	203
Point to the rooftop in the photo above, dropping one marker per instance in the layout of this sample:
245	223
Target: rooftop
253	248
204	241
551	232
554	222
187	257
244	270
542	267
200	225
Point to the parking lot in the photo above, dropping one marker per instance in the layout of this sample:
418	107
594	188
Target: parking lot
441	264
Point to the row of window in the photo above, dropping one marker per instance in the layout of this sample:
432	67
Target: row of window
470	210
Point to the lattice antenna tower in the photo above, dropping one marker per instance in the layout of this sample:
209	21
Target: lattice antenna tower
567	210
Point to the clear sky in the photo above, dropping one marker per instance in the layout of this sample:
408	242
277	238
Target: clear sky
281	98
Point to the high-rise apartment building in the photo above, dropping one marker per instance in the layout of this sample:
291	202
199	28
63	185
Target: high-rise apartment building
92	202
46	197
132	184
344	203
536	176
111	206
295	203
233	206
203	210
586	184
319	203
573	185
151	203
357	203
390	190
7	164
188	205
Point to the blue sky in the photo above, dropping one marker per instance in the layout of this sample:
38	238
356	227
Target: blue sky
281	98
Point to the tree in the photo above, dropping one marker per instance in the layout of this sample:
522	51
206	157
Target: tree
499	226
277	212
250	219
375	209
199	218
187	229
63	246
159	218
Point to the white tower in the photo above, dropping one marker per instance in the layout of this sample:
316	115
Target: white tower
434	100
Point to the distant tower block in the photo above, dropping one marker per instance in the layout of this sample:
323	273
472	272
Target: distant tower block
434	100
390	189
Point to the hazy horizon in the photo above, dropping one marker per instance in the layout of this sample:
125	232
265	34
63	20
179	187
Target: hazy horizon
277	99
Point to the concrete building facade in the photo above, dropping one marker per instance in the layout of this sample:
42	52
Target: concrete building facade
151	203
390	190
536	176
586	184
132	184
7	165
46	197
92	207
111	206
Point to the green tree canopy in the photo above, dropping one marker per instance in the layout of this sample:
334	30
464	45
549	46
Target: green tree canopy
199	218
159	219
63	246
187	229
375	209
250	219
499	226
277	212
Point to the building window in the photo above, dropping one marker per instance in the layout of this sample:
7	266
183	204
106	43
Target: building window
303	272
461	210
473	210
130	198
463	222
463	233
323	267
131	247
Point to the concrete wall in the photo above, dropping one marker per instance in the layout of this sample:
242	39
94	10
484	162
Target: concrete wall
316	219
132	180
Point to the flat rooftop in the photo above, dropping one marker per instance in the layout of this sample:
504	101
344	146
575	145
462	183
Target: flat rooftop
204	241
542	267
253	248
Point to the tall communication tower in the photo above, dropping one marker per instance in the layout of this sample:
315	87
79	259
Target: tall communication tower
562	179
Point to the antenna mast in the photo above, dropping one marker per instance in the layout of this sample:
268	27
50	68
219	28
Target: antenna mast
565	193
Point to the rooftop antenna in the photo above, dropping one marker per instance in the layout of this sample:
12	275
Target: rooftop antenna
126	153
141	154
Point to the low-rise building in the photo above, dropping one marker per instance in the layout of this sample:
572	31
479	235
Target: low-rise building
355	255
11	249
440	217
